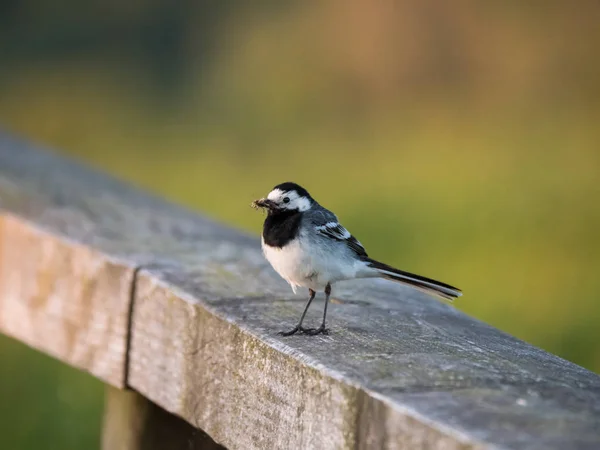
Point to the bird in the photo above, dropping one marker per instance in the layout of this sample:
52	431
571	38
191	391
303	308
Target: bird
307	246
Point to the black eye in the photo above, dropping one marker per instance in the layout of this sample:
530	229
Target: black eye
286	199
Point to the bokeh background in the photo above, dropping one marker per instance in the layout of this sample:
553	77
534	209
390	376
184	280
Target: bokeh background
459	140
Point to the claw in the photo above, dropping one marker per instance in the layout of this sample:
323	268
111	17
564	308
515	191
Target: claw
309	331
315	331
291	332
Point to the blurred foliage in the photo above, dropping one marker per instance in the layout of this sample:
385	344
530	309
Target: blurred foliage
457	140
46	404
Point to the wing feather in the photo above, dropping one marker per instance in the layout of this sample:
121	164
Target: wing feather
334	230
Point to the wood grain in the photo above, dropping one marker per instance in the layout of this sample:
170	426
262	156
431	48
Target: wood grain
400	370
255	393
65	299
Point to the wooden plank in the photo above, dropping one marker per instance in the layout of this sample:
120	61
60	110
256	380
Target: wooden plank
400	370
65	299
68	252
248	390
132	422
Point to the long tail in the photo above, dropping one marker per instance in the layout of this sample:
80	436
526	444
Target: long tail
425	284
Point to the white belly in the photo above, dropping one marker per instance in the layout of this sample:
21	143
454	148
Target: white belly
290	262
312	268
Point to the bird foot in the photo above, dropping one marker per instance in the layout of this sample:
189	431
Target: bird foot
294	330
315	331
302	330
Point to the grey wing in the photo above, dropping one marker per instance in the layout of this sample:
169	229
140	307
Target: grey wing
334	230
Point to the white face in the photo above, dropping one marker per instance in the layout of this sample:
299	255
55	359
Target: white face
289	200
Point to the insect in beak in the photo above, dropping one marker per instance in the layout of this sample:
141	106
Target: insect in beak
264	203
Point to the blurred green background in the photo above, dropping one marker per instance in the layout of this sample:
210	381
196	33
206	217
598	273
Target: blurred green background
459	140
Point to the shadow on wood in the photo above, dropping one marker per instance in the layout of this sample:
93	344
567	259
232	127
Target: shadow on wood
132	422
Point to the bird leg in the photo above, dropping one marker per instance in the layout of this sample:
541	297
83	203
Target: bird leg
299	326
322	329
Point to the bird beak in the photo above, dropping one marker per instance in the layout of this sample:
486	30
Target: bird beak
264	203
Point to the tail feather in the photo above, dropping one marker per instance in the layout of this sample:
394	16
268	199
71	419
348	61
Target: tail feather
424	284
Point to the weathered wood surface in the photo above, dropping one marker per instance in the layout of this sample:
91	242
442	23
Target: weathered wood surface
400	370
64	298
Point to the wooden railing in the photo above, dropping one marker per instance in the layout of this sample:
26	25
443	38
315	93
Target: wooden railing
177	314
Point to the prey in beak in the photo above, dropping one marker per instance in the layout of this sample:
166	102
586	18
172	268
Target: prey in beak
264	203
